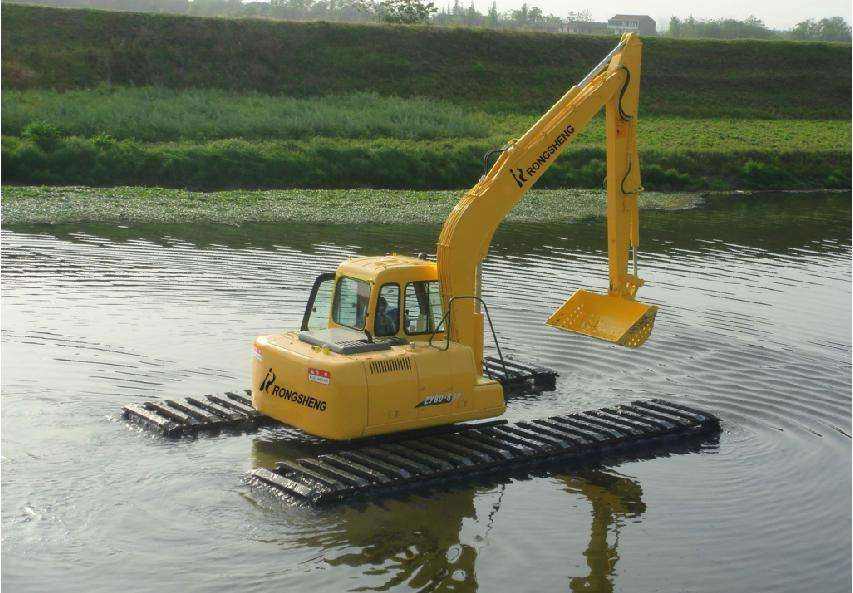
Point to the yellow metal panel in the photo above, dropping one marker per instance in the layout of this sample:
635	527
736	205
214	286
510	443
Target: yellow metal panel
341	397
607	317
435	382
392	385
324	394
388	268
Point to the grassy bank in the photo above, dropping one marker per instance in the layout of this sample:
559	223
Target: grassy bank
152	114
135	205
54	48
98	98
206	139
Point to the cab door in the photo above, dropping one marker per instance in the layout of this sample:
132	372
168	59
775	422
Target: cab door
318	307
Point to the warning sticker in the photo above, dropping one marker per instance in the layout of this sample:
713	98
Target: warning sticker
256	353
319	376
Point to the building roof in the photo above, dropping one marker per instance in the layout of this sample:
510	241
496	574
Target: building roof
631	16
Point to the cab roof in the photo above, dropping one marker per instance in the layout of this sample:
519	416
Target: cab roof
388	268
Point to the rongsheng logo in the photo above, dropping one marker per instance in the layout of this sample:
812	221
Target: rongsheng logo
268	385
521	176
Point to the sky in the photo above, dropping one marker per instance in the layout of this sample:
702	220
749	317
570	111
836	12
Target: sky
776	14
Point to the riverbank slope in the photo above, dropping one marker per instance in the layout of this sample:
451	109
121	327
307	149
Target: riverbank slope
100	98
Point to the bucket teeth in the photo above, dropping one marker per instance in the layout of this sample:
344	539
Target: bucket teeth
615	319
637	335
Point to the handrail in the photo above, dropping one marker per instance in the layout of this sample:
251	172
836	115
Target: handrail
446	317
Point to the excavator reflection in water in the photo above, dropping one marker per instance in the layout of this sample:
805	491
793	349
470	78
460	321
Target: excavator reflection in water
613	498
419	543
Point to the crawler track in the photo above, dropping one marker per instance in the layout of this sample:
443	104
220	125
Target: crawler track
381	468
175	417
519	378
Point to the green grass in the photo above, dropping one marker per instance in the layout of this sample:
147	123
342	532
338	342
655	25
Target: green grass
336	163
55	48
99	98
216	139
152	114
135	205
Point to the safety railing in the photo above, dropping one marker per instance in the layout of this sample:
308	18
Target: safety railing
446	318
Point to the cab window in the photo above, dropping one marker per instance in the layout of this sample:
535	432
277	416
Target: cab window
422	309
386	322
349	307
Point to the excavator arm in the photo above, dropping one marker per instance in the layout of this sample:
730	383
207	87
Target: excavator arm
467	233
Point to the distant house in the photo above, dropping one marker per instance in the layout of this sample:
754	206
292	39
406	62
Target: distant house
632	23
587	28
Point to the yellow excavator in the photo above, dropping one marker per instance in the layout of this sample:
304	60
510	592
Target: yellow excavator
394	343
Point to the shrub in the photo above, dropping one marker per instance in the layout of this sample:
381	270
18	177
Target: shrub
838	178
104	141
657	177
764	175
43	134
388	163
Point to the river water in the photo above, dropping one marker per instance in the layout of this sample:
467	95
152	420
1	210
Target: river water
754	325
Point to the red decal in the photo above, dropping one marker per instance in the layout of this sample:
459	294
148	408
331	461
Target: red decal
319	376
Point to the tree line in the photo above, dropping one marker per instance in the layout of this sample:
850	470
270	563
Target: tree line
828	29
527	17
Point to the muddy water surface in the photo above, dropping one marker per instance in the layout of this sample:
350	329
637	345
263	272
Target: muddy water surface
754	326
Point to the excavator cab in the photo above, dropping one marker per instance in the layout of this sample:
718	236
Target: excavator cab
363	364
383	298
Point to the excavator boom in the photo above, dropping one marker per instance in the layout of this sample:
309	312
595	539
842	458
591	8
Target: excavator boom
467	233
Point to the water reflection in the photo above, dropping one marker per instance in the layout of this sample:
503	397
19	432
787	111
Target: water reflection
417	543
613	499
421	539
754	325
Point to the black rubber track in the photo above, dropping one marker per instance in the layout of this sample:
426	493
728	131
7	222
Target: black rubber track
190	415
383	468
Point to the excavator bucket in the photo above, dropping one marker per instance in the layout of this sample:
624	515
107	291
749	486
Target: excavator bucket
612	318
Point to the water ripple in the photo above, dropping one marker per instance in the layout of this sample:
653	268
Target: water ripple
754	325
